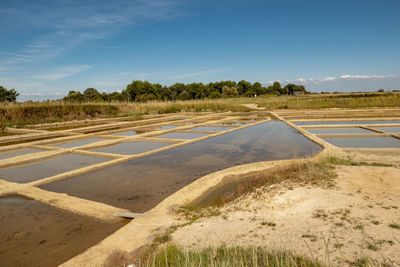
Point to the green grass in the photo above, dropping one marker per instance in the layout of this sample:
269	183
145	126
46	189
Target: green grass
172	255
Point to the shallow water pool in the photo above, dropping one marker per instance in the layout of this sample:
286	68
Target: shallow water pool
142	183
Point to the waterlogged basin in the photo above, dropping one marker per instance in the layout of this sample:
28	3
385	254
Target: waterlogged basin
390	129
35	234
168	127
364	142
211	128
132	147
127	133
7	155
35	171
78	143
344	122
182	135
339	131
142	183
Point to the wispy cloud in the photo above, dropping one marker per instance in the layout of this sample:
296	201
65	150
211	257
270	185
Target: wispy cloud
199	73
345	77
63	72
66	24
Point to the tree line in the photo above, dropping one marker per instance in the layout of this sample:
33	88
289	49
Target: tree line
141	91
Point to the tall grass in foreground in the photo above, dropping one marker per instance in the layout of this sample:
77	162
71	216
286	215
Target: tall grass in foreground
172	255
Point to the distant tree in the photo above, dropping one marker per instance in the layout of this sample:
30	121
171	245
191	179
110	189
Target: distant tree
74	97
244	86
91	94
259	89
137	88
183	96
292	89
250	93
215	95
8	95
116	97
229	91
381	90
275	89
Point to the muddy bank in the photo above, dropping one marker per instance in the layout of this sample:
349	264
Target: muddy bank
34	234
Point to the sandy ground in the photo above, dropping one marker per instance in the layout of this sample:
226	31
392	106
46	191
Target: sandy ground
346	222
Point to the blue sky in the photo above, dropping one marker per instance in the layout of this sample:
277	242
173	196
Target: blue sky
50	47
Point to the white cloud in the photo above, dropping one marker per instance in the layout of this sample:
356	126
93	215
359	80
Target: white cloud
341	78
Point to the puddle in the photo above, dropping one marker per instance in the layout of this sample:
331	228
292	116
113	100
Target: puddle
78	143
141	184
10	154
182	135
364	142
126	133
390	130
167	127
211	128
35	234
132	147
235	123
343	122
338	131
35	171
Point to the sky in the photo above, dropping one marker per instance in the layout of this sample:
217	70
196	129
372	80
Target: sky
49	47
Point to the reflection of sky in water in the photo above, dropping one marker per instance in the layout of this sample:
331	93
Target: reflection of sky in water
142	183
211	128
6	155
343	122
364	142
182	135
338	131
126	133
47	168
390	130
132	147
78	143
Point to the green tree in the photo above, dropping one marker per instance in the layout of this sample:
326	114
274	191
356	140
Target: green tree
229	91
91	94
74	97
137	88
244	86
8	95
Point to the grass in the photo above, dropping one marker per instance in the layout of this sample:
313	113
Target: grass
43	112
20	114
341	161
394	226
319	101
172	255
307	172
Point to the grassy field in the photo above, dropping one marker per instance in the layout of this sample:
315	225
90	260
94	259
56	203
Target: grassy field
20	114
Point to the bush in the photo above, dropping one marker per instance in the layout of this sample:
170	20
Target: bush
8	95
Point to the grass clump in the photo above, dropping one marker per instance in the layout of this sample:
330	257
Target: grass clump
304	172
347	162
172	255
394	226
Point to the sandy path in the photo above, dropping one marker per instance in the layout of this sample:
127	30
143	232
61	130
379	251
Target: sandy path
349	221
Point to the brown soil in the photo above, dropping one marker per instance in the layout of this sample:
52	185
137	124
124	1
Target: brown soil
34	234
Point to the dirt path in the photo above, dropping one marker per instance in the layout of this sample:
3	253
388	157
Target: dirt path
350	221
